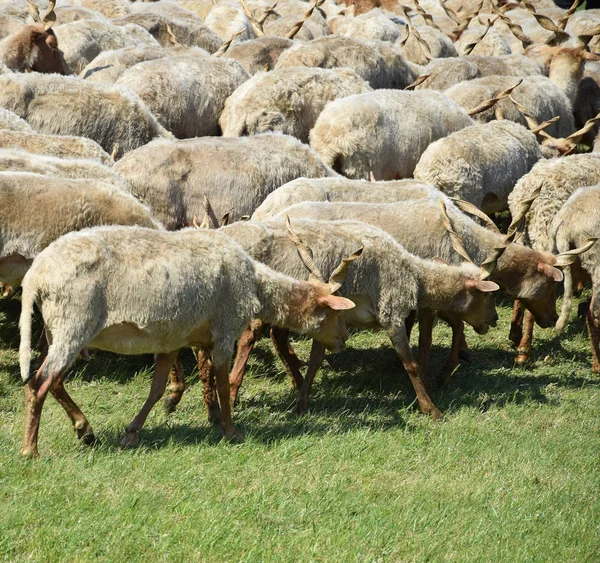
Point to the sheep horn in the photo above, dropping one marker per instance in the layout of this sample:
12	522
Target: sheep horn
514	28
455	238
426	16
469	48
589	125
304	251
338	276
532	123
525	207
567	258
33	11
225	219
256	25
476	212
49	17
424	45
267	13
209	221
115	150
298	25
172	37
223	48
487	104
450	13
418	81
562	22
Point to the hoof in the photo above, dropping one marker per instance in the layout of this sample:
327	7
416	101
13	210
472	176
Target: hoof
29	453
170	404
465	355
233	437
436	414
130	440
214	416
521	360
596	368
86	435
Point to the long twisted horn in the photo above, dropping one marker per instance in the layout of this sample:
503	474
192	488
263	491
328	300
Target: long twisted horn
469	48
304	251
223	48
562	22
476	212
514	28
424	45
338	276
455	238
567	258
418	81
298	25
426	16
487	104
256	25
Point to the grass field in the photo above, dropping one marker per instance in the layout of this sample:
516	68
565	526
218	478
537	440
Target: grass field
511	474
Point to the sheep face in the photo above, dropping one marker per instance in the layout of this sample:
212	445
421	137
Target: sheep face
540	294
476	303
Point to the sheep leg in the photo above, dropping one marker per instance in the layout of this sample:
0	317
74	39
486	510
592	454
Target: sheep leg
524	349
516	323
401	345
42	348
162	366
426	317
209	388
317	354
244	348
594	334
36	391
458	341
221	370
410	323
80	423
176	386
291	363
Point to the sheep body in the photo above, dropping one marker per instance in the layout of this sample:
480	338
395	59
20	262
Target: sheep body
286	100
258	54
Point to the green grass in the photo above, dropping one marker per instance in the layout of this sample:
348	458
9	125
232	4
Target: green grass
512	474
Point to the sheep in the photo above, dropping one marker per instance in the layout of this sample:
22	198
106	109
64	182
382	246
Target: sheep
480	164
259	54
56	206
386	284
83	40
169	31
521	272
110	115
54	145
108	8
341	189
573	226
438	45
34	47
335	51
202	83
227	18
286	100
236	174
99	288
489	42
374	24
10	120
18	160
384	131
296	20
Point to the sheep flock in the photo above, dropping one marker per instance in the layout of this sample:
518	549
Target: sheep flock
194	173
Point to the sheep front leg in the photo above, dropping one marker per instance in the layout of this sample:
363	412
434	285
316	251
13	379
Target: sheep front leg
516	323
209	389
176	386
524	349
80	423
221	370
162	366
291	363
426	318
317	354
458	344
35	395
400	342
245	346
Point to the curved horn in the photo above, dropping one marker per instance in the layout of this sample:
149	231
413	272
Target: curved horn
455	239
487	104
33	11
532	124
424	45
514	28
476	212
469	48
526	204
338	276
298	25
426	16
223	48
450	13
304	251
562	22
567	258
418	81
256	25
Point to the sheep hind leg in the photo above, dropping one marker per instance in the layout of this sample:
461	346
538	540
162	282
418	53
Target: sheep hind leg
244	349
317	354
209	388
516	324
524	349
221	371
290	361
80	423
162	366
176	386
594	334
426	318
458	342
401	345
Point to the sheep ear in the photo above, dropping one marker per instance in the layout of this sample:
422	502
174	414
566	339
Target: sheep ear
481	285
550	271
336	303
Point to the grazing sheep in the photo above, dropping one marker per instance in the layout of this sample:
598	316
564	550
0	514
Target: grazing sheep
202	83
573	226
83	40
521	272
58	206
480	164
259	54
18	160
65	105
493	43
226	19
341	189
106	288
235	174
10	120
558	179
438	44
335	52
384	132
286	100
34	47
386	284
64	146
170	31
